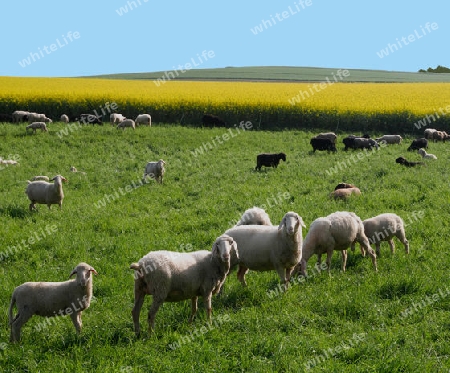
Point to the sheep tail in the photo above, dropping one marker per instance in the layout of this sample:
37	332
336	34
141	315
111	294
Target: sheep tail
11	306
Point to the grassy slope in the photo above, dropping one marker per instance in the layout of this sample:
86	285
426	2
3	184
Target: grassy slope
282	73
199	200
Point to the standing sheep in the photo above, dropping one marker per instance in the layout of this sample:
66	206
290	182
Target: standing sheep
126	123
385	227
269	160
143	119
265	248
64	118
116	118
46	193
172	277
337	231
20	116
155	170
254	216
51	299
36	125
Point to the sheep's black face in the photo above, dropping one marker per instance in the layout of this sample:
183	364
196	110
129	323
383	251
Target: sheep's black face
400	160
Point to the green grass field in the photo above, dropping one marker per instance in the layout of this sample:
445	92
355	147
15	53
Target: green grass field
287	73
396	320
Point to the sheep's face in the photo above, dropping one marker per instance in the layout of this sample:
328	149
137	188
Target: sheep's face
83	272
223	247
292	221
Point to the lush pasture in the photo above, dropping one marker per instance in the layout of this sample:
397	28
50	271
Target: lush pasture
346	322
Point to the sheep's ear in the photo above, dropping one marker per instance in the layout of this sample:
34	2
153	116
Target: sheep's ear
74	272
302	223
283	222
234	247
215	249
93	271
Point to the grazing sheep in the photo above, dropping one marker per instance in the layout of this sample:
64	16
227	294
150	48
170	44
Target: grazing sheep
440	136
210	120
172	277
254	216
323	144
265	248
406	163
390	139
51	299
344	193
127	123
143	119
35	117
428	133
46	193
44	178
385	227
269	160
337	231
426	155
64	118
344	186
354	142
35	125
417	144
116	118
20	116
327	135
155	170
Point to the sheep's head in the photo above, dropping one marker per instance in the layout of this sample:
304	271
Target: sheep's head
282	156
223	247
62	178
401	160
83	272
291	222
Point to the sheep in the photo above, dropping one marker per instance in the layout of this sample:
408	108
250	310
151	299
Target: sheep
344	193
406	163
20	116
144	119
385	227
64	118
116	118
390	139
172	277
254	216
440	136
40	177
269	160
46	193
336	231
155	170
327	135
35	125
323	144
428	133
344	185
35	117
416	144
126	123
426	155
51	299
265	248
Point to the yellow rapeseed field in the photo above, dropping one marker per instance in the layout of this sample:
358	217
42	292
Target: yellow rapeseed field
55	94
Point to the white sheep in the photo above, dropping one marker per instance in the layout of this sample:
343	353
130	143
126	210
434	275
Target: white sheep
126	123
37	125
51	299
428	133
155	170
144	119
337	231
35	117
116	118
385	227
20	116
390	139
254	216
40	177
345	193
64	118
426	155
46	193
172	277
265	248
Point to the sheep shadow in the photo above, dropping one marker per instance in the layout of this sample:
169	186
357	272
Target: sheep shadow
14	212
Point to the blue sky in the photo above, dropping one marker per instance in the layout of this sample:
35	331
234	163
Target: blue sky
88	37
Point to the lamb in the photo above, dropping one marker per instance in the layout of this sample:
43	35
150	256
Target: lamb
265	248
172	277
269	160
40	177
35	125
390	139
426	155
155	170
336	231
344	193
254	216
46	193
116	118
385	227
144	119
406	163
51	299
64	118
126	123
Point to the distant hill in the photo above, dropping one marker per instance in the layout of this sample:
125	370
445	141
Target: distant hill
283	73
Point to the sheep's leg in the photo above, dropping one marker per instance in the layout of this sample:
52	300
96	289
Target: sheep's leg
241	274
284	277
76	319
152	314
401	236
20	319
377	248
328	260
193	309
391	245
372	254
319	259
207	302
344	259
303	268
138	302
